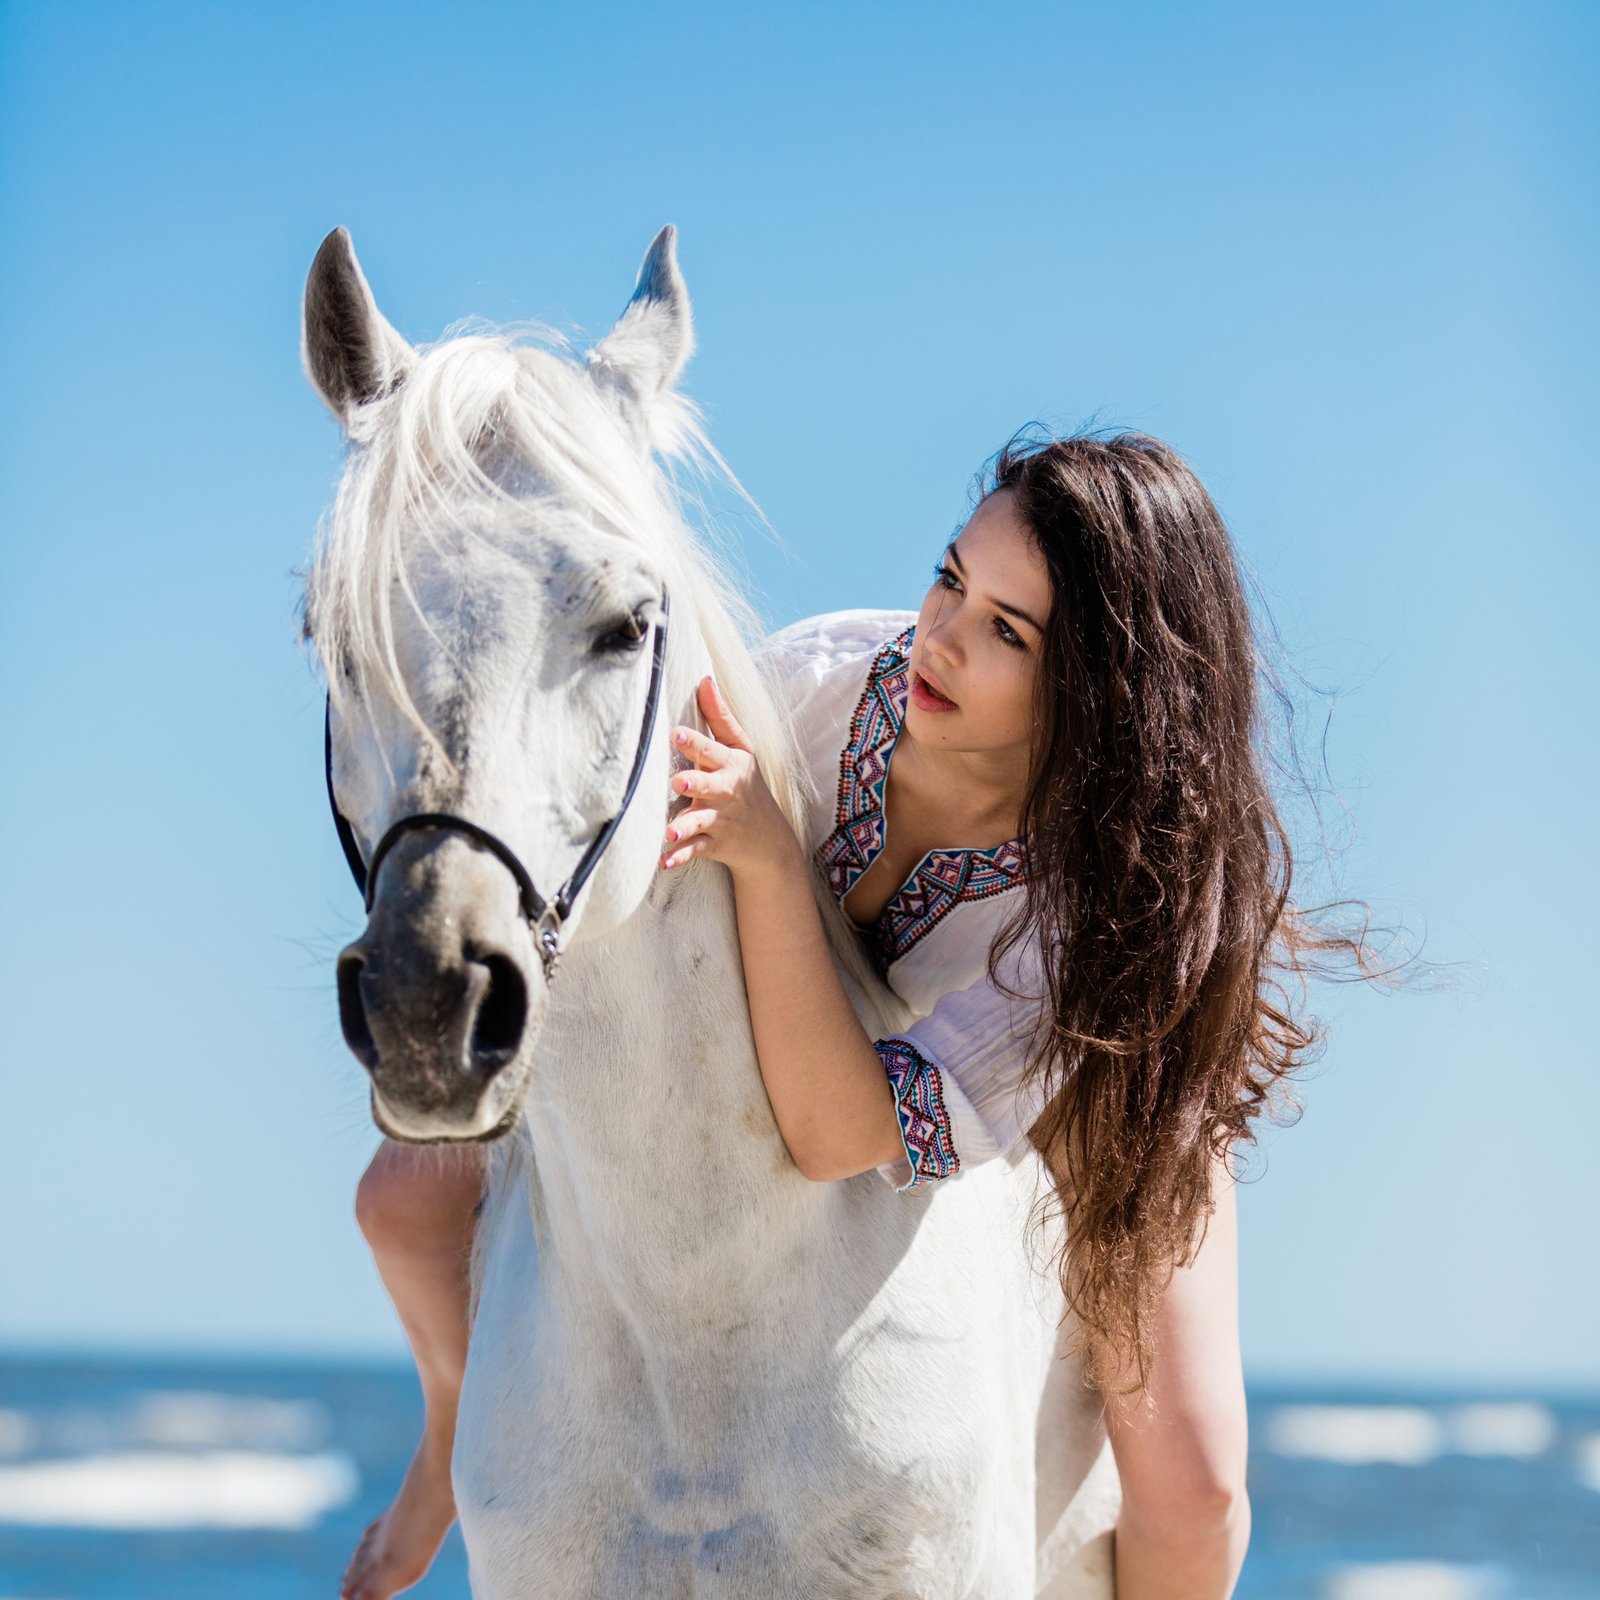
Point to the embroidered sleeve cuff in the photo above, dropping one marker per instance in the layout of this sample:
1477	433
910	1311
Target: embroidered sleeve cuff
924	1117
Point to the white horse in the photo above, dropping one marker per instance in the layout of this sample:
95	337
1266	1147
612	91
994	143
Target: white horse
693	1372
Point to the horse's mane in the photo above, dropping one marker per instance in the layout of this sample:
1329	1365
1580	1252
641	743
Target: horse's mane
433	455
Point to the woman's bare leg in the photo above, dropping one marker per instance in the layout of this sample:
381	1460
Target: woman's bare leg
416	1206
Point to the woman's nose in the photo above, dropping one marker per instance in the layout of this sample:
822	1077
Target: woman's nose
941	645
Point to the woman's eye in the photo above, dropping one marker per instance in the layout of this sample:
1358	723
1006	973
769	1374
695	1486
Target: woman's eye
943	576
1009	634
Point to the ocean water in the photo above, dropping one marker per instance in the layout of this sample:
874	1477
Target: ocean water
166	1480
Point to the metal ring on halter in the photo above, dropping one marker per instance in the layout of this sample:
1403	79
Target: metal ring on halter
546	918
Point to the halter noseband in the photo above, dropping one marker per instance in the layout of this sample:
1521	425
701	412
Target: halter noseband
546	918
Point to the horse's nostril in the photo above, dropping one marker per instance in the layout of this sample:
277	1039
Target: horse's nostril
502	1016
353	1012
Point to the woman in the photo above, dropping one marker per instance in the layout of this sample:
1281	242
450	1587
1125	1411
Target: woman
1091	965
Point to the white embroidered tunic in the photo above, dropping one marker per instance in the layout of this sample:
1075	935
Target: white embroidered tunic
956	1070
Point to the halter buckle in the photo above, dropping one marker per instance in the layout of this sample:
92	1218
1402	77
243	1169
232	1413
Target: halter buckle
547	940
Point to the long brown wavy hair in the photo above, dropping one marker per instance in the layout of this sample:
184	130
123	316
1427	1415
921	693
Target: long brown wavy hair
1159	877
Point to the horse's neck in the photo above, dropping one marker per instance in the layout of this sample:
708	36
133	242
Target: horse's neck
661	1181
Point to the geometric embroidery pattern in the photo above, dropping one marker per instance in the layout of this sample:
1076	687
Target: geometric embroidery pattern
943	879
924	1121
857	835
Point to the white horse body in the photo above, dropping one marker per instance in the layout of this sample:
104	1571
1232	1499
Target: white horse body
694	1373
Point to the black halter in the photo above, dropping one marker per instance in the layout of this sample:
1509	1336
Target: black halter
546	918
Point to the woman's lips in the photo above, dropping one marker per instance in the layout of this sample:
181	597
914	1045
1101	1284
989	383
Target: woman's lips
928	698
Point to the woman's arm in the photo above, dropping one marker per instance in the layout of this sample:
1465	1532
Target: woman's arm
825	1080
1185	1520
829	1092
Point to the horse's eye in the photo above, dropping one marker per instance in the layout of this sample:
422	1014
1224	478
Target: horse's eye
625	636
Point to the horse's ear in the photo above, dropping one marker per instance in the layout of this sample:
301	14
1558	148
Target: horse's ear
350	352
645	351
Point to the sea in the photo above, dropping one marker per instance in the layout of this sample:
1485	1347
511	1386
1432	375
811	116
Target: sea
165	1479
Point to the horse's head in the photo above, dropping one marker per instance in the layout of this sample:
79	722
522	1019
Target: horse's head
486	599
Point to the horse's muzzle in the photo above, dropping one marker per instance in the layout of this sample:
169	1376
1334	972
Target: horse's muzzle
442	993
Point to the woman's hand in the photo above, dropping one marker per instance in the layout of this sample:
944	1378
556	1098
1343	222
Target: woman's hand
731	816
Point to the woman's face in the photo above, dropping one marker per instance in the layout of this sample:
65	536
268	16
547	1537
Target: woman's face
979	634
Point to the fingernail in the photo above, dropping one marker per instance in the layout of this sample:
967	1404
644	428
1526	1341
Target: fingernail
672	833
680	737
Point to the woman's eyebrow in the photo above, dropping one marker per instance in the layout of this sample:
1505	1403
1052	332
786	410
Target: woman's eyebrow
999	605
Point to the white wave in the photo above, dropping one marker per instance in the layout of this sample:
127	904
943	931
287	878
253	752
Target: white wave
1405	1436
1514	1428
171	1419
1589	1461
1405	1580
1409	1436
138	1490
199	1420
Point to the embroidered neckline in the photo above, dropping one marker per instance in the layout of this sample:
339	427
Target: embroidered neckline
943	879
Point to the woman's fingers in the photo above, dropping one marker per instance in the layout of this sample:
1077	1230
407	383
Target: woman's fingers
719	715
703	751
702	783
686	837
726	739
732	817
685	852
687	833
688	823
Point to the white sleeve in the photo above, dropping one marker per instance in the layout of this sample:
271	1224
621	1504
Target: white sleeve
797	658
958	1075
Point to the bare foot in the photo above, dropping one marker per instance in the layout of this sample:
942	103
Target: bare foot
399	1547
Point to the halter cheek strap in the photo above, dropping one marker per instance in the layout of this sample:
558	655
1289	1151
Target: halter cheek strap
546	918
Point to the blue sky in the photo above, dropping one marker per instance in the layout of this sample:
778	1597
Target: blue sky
1341	257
